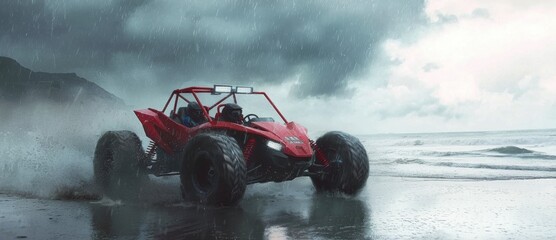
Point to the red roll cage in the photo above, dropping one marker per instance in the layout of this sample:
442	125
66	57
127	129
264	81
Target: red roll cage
177	94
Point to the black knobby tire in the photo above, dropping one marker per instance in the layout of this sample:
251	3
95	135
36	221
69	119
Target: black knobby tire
118	164
213	170
349	164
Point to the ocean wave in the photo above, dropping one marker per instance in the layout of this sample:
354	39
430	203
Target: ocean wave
534	156
496	167
416	142
513	151
409	161
450	154
510	150
462	178
499	152
474	165
473	139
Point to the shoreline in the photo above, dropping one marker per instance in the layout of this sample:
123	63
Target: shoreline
388	207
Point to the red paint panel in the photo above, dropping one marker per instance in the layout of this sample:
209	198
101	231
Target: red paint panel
283	132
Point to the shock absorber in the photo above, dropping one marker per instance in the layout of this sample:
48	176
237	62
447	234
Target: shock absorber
151	150
320	155
248	150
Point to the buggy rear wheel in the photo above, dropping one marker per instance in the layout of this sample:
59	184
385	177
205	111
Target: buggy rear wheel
349	164
118	167
213	170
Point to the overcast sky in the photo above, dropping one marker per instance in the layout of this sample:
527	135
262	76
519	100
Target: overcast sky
358	66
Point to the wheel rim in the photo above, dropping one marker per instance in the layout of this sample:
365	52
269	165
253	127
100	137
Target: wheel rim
204	174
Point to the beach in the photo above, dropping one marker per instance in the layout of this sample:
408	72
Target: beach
421	186
389	208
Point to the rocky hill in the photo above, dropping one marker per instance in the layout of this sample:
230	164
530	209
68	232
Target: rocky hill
22	85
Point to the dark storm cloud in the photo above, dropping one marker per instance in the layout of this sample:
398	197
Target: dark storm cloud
324	43
60	36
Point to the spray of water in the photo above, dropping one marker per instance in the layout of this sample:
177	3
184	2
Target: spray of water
46	149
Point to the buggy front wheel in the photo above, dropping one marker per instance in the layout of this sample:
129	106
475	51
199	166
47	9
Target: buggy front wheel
213	170
349	164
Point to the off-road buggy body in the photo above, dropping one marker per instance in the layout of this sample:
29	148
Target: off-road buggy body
218	158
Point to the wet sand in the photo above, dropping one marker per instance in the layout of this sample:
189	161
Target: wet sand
388	208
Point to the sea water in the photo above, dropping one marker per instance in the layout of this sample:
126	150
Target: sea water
471	185
529	154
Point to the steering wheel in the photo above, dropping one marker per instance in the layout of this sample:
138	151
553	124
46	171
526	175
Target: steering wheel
250	116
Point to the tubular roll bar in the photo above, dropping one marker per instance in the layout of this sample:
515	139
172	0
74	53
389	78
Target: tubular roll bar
194	90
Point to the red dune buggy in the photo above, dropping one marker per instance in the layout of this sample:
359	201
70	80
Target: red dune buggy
224	150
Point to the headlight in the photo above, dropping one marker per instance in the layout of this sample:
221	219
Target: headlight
274	145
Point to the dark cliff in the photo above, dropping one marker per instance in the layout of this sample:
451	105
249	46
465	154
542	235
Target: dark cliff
19	84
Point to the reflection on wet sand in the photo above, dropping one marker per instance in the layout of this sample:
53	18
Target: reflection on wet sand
339	218
111	222
389	208
319	216
210	223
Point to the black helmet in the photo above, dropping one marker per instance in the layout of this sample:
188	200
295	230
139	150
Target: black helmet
232	113
195	112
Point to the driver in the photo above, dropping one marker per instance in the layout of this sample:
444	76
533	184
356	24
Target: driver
194	116
232	113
